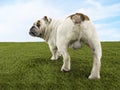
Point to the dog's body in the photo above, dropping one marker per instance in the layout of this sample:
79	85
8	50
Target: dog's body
70	32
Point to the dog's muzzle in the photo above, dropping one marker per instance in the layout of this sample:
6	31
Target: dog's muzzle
32	31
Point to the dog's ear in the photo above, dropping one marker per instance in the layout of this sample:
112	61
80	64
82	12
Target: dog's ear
46	19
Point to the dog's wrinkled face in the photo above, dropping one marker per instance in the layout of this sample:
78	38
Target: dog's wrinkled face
38	28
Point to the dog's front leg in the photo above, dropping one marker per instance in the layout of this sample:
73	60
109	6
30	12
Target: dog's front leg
66	57
54	52
66	61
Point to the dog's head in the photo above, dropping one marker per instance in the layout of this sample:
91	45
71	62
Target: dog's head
38	28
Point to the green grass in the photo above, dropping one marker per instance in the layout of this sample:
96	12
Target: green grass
27	66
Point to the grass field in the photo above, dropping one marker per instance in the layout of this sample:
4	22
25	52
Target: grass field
27	66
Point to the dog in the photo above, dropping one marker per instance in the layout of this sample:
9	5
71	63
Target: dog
69	32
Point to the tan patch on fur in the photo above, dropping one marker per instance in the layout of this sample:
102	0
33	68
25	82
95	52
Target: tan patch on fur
79	17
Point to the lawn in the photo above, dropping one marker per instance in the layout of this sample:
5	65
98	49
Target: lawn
27	66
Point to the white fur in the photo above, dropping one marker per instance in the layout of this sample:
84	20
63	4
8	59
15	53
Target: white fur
61	34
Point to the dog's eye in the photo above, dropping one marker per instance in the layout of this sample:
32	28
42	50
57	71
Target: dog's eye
38	25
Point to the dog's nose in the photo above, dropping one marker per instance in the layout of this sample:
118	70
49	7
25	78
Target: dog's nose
32	28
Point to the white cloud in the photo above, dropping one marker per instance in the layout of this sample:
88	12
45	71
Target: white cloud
107	32
109	35
16	19
93	3
98	11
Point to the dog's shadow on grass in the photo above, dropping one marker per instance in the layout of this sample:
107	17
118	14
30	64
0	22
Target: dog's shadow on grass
77	70
43	61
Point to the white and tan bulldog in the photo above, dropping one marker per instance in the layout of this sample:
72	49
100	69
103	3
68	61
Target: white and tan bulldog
70	32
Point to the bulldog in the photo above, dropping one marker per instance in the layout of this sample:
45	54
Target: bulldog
69	32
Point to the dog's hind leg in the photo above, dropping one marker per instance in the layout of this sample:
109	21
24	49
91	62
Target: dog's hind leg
95	46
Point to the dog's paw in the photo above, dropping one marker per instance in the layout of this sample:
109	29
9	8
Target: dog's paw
63	69
94	77
53	58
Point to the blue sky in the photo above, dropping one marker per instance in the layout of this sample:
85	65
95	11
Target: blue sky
17	16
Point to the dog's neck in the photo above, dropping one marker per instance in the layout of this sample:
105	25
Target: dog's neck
51	29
